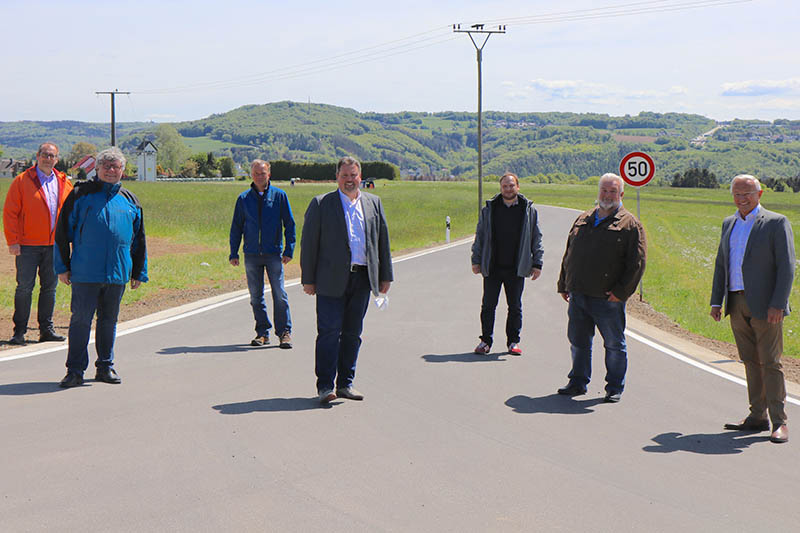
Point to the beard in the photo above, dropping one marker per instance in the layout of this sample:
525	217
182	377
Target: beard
608	205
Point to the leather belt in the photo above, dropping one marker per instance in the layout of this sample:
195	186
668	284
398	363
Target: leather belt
357	268
736	292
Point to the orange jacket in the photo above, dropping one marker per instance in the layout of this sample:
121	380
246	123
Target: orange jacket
26	216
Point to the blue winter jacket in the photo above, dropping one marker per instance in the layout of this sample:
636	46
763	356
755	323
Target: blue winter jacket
259	218
103	223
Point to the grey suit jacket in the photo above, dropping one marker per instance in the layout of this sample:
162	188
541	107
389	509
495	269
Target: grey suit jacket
325	245
767	267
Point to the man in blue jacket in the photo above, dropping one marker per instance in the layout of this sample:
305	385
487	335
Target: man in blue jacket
260	214
99	246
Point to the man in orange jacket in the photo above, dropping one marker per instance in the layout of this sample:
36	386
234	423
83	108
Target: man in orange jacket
29	220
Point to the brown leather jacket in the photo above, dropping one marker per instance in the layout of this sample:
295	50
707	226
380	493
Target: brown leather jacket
607	258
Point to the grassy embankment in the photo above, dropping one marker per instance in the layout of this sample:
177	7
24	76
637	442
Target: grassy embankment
682	226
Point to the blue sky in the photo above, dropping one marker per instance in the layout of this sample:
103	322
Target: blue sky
186	60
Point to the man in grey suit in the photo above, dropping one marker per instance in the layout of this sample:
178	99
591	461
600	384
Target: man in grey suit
344	255
753	275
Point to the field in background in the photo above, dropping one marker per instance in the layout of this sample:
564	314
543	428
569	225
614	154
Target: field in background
188	226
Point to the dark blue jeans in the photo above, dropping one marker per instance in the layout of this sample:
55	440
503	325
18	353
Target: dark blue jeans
86	299
255	265
339	325
586	312
31	259
513	285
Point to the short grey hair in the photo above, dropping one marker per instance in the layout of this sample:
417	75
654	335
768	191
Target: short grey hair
111	154
347	160
746	177
260	162
610	176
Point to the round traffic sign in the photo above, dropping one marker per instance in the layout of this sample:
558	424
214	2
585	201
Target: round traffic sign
637	168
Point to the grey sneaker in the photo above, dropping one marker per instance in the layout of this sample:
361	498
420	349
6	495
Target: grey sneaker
326	396
350	393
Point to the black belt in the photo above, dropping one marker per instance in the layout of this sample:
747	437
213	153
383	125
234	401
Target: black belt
736	292
357	268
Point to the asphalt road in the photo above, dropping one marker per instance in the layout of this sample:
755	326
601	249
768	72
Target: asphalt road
209	434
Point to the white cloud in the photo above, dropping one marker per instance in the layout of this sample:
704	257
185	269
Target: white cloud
586	91
163	117
761	87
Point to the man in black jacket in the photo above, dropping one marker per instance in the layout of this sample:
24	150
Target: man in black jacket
507	249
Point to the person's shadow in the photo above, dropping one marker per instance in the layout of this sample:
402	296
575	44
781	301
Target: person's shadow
272	405
466	357
552	404
225	348
725	443
24	389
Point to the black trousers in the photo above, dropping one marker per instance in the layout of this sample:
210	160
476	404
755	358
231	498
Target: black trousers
513	285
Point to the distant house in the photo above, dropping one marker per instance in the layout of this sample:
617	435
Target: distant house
87	164
10	168
146	161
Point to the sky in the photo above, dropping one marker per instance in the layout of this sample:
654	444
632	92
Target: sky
185	60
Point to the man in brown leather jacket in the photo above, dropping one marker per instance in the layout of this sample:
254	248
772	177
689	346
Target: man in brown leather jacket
602	265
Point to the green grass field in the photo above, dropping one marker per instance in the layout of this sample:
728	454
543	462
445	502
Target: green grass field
682	225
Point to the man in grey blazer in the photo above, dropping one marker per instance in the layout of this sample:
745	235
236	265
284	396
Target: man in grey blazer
344	255
753	278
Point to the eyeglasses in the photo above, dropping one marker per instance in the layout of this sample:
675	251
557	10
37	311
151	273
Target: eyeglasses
46	155
111	166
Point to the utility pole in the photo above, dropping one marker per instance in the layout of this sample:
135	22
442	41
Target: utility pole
113	120
478	29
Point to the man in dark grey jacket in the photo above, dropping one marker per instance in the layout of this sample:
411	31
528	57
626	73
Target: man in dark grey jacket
507	249
753	277
344	255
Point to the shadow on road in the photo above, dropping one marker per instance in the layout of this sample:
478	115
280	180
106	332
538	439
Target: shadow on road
36	387
467	357
225	348
556	404
272	405
728	442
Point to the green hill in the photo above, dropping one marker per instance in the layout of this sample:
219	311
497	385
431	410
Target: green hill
444	143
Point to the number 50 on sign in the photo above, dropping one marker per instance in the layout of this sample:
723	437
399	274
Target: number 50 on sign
637	169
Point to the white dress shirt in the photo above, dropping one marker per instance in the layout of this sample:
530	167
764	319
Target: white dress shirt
354	217
738	243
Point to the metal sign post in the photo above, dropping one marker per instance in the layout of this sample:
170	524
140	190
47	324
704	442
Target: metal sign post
637	169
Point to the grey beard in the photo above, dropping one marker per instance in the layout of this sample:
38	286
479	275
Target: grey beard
608	206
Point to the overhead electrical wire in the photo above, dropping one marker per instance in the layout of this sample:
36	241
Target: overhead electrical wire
434	37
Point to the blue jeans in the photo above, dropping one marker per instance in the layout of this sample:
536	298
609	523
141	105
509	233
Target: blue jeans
31	259
86	299
491	292
254	265
339	325
586	312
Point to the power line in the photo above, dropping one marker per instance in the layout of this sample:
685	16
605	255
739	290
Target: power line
434	37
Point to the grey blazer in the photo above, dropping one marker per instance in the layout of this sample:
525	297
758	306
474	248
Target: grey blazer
325	245
767	267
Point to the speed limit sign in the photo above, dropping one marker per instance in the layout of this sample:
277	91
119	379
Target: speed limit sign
637	168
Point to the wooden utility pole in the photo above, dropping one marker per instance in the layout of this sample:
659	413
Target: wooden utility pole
113	119
479	29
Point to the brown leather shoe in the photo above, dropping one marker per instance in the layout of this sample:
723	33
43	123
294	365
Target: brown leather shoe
749	424
780	435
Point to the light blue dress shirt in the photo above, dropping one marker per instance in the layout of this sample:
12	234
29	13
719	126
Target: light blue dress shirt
50	188
354	217
738	243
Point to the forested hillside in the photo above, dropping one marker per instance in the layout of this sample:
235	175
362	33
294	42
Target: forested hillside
569	145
